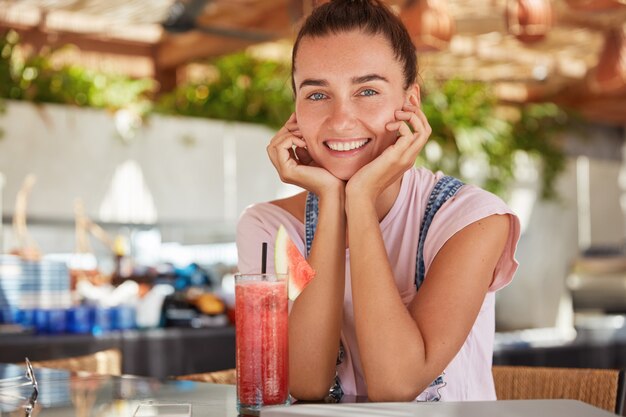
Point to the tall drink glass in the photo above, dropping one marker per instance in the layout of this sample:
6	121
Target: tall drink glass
261	310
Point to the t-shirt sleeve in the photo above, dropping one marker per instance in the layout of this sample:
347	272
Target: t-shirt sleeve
257	224
469	205
252	231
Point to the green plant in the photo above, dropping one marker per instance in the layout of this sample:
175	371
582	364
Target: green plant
242	88
2	111
473	137
538	133
35	78
7	44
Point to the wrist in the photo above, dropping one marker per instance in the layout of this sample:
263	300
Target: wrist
359	203
332	207
359	195
334	192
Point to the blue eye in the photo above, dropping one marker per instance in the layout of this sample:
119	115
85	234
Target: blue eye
317	96
368	92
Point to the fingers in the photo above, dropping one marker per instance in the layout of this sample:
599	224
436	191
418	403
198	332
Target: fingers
407	134
415	118
422	117
289	131
292	126
285	150
285	141
294	130
281	147
411	118
292	154
413	131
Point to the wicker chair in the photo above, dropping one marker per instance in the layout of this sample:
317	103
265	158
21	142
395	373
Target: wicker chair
106	362
603	388
226	377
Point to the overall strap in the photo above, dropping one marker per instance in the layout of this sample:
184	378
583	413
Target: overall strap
310	220
443	190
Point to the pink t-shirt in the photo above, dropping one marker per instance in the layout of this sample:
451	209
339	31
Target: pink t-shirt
468	376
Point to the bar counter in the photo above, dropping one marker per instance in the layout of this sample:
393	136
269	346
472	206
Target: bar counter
157	353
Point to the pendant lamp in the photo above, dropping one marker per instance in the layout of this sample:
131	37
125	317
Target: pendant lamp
529	20
609	75
430	25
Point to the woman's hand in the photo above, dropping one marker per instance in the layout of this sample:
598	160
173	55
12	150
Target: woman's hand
413	132
288	153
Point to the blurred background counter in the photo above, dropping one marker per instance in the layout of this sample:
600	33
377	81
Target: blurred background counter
157	353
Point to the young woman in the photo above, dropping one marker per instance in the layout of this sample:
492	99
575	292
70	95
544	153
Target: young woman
402	306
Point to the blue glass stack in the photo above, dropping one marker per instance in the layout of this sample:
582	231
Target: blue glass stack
34	293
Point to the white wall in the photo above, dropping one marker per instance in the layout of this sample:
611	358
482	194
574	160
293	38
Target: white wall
197	173
548	244
555	232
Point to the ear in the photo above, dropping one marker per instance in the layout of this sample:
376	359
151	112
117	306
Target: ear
413	96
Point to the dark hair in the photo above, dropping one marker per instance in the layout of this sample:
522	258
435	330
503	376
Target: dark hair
370	16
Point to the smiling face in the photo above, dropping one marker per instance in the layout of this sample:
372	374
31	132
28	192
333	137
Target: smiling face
348	86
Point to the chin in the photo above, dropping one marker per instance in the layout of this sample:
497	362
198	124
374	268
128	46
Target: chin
342	174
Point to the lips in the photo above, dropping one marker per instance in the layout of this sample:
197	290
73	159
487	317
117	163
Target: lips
346	145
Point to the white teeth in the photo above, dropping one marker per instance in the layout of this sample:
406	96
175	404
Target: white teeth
346	146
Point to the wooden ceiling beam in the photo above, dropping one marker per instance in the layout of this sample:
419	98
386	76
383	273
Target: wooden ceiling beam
607	113
599	20
592	106
38	39
520	92
176	50
223	28
266	12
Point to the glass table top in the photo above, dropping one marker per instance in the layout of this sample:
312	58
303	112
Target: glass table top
67	394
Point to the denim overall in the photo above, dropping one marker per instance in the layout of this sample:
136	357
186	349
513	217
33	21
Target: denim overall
445	188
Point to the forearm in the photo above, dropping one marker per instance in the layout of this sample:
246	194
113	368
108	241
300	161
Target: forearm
316	315
391	346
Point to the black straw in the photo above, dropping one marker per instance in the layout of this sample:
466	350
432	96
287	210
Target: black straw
264	259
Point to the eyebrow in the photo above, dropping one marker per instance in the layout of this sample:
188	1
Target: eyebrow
355	80
313	82
367	78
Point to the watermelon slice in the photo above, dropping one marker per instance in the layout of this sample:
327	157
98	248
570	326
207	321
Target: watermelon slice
289	260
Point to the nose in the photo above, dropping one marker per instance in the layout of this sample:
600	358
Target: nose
343	115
